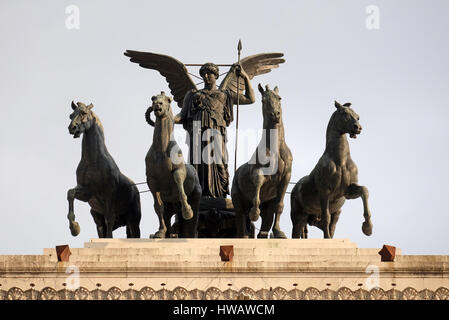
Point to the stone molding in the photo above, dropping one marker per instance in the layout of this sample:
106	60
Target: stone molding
212	293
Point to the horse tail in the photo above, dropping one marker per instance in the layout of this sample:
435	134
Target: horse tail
133	215
133	220
137	214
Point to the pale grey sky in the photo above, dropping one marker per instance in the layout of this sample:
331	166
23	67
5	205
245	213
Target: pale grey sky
396	77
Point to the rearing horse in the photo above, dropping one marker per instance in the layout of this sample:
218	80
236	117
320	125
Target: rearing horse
114	199
317	199
259	186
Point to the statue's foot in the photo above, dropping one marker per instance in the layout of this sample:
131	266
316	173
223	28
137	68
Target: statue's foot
278	234
367	228
159	234
262	235
187	212
254	213
75	228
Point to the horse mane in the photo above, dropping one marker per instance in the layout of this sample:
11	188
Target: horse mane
332	120
97	121
170	113
331	125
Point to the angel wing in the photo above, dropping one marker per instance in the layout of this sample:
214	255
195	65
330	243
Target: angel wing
253	65
174	71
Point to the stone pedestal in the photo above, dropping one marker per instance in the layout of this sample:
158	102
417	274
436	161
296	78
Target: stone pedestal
193	269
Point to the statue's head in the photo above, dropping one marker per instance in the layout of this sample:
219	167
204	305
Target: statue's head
346	120
81	119
160	106
209	68
271	103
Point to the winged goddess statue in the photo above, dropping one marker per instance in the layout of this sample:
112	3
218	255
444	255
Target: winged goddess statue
205	113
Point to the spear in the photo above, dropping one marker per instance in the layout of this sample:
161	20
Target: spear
239	48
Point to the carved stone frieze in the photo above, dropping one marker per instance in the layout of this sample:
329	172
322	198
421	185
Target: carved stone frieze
213	293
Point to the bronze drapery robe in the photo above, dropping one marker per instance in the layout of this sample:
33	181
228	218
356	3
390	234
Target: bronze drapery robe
210	111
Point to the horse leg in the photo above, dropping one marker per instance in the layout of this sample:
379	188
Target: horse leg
76	193
333	224
257	179
298	230
195	204
240	216
109	226
179	175
190	227
279	207
133	217
299	221
295	216
276	210
159	209
355	191
132	229
277	232
240	223
99	221
169	211
109	219
325	216
267	215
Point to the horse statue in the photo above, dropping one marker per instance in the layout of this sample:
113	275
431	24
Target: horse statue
114	199
259	186
317	199
175	185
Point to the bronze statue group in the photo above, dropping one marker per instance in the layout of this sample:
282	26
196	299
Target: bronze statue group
196	192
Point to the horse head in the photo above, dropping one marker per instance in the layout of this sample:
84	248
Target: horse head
346	120
81	119
161	108
271	104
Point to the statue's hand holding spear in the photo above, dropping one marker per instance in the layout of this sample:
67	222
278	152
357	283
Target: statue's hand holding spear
238	73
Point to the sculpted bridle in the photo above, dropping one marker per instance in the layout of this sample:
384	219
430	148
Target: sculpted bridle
162	101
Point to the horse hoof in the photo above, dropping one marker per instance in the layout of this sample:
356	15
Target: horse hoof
159	235
254	214
263	235
367	228
278	234
187	214
75	229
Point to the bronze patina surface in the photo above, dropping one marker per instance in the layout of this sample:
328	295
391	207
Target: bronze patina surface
174	184
259	186
208	108
114	199
317	199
